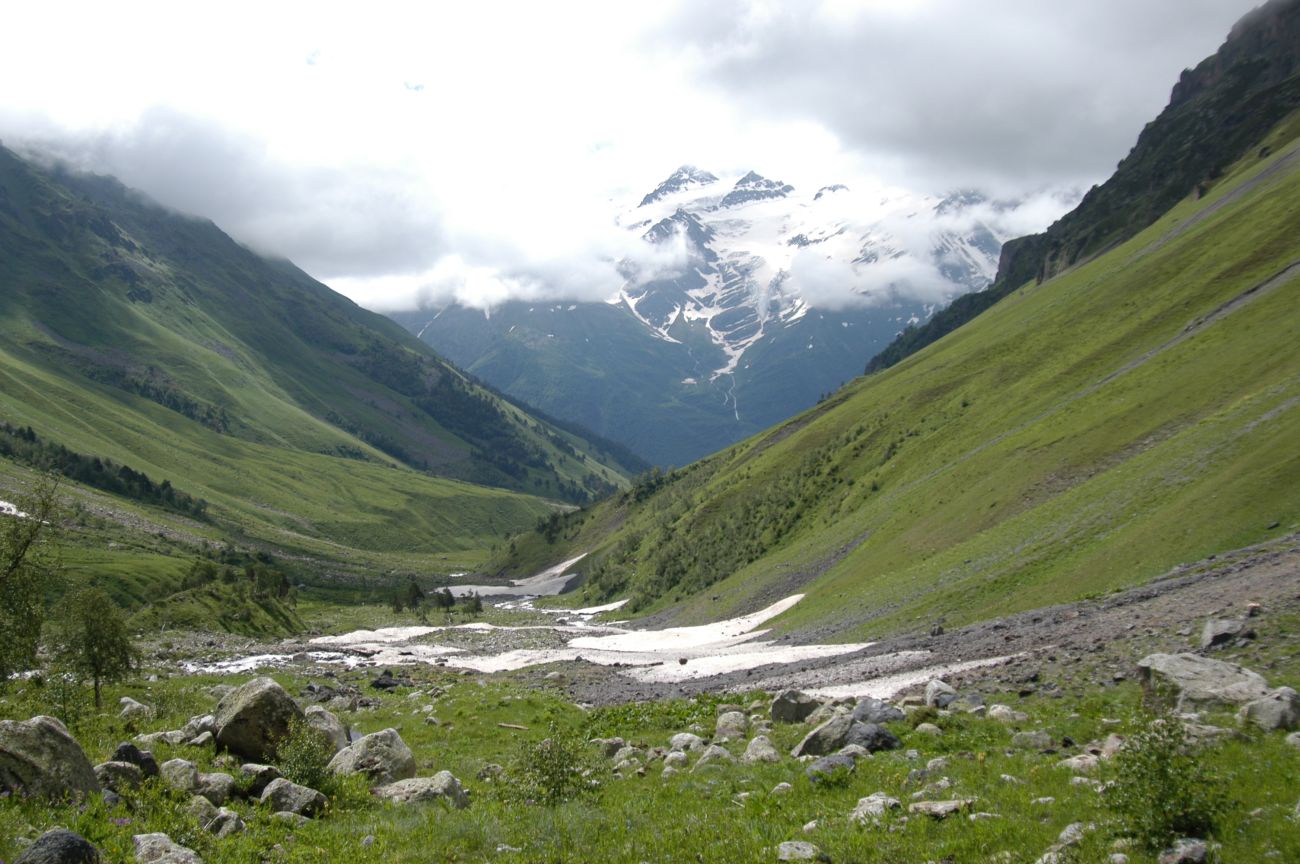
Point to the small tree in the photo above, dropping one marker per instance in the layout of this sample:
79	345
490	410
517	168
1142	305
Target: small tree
472	604
413	596
92	638
28	566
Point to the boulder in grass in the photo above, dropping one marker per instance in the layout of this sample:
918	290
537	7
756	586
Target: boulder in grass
1188	682
442	786
1280	709
872	737
797	850
258	777
254	718
685	741
381	756
826	738
161	849
181	774
872	710
760	749
793	706
285	796
939	693
329	726
128	752
873	808
60	846
133	710
40	759
118	776
940	809
831	769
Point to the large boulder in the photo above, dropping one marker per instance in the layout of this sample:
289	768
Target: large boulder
118	776
133	710
1278	710
254	718
329	726
1219	632
731	726
826	738
686	741
128	752
793	706
441	786
381	756
872	710
39	758
829	769
872	737
285	796
1187	682
181	774
161	849
939	693
60	846
760	749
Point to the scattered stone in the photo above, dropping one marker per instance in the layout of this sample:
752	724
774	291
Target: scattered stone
1185	851
143	759
196	726
872	710
1007	714
285	796
793	706
872	808
295	820
1084	763
133	710
939	694
1044	801
226	823
940	809
854	752
1293	739
330	727
830	768
629	754
827	711
760	749
1013	781
686	741
928	729
254	718
609	746
39	758
781	788
871	737
1280	709
1117	858
217	788
201	810
669	770
1036	740
712	755
381	756
388	681
1187	682
60	846
258	777
203	739
938	763
175	738
1072	834
161	849
118	775
826	738
797	850
220	691
181	774
675	759
441	786
731	726
1220	632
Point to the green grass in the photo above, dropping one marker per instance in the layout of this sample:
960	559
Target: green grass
1067	442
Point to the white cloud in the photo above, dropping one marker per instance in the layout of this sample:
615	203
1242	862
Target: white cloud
414	150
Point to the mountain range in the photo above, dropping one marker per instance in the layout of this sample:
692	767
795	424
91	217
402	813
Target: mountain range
778	297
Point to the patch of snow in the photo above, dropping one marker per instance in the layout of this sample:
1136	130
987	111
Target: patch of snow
7	509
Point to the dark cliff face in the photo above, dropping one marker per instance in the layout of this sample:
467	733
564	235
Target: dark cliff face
1216	113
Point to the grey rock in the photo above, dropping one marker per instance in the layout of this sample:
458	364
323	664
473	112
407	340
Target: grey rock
1084	763
873	808
609	746
254	718
226	823
675	759
203	739
161	849
133	710
829	768
381	756
1293	739
440	787
196	726
181	774
731	726
686	741
1219	632
1036	740
940	809
258	777
60	846
1186	682
872	737
296	820
201	810
760	749
928	729
826	738
872	710
1280	709
826	712
217	788
118	775
854	752
781	788
1185	851
939	694
220	691
629	754
1007	714
797	850
285	796
39	758
793	706
329	726
713	755
128	752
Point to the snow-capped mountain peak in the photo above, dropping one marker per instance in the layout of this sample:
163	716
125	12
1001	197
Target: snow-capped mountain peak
754	187
685	177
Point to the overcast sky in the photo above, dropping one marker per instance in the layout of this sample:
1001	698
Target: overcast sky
474	149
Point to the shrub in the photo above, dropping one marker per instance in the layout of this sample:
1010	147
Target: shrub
1161	791
303	756
556	769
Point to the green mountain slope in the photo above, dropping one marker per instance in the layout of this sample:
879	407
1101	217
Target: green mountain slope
131	333
1084	434
1216	113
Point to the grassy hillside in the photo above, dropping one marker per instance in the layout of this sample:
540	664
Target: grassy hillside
1084	434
